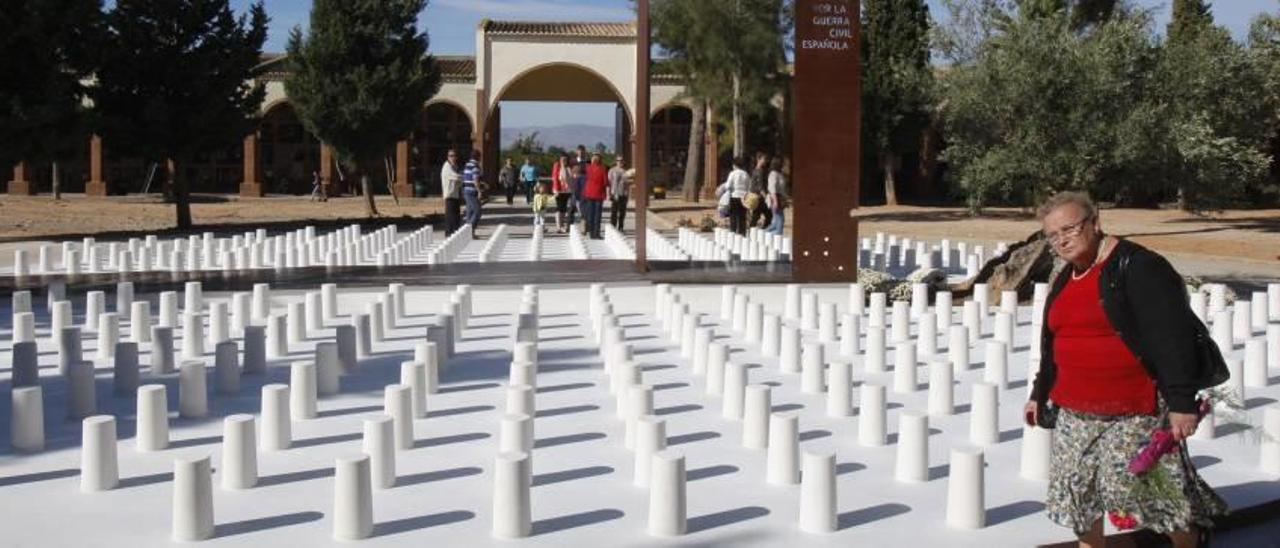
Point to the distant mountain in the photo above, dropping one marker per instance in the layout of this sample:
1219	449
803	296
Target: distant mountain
566	136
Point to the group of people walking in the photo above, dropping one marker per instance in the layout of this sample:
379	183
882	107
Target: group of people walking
758	198
579	187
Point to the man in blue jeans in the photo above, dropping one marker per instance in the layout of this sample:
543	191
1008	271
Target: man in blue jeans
528	178
471	187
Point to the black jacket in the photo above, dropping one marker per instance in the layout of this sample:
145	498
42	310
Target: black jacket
1146	301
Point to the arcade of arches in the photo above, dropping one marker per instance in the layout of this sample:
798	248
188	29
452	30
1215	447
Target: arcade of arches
577	62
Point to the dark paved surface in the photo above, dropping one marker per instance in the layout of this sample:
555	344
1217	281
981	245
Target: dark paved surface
497	273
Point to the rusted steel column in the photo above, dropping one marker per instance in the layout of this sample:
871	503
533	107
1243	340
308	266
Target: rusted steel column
95	186
251	185
826	98
21	184
640	151
402	188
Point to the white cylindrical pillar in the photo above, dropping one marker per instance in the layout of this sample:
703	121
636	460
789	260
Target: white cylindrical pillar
827	322
398	404
850	344
770	336
511	504
735	386
162	357
790	350
140	322
1037	447
192	499
965	489
757	406
871	415
82	401
912	464
414	375
941	391
98	468
239	452
153	418
277	339
904	369
352	498
108	335
984	414
840	391
812	368
26	427
717	354
277	422
873	360
516	434
782	458
125	373
818	493
226	368
302	390
650	438
328	368
192	336
667	504
193	396
379	444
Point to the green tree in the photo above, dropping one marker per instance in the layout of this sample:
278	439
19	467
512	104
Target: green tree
362	74
177	80
1189	17
897	81
1217	120
731	54
49	48
1043	107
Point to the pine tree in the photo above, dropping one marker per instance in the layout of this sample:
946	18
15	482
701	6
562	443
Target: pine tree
362	77
177	80
729	51
897	81
48	50
1189	17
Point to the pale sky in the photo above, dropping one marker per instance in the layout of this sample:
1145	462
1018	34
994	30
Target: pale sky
451	26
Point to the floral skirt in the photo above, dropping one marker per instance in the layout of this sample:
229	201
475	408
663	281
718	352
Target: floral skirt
1089	477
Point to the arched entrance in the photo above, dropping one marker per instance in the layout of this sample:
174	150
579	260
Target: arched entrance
444	125
557	82
669	145
290	153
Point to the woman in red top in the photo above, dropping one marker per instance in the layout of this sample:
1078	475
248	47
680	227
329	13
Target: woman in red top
1113	375
593	193
560	187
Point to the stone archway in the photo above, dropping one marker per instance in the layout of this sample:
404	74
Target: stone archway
289	154
553	82
444	125
669	144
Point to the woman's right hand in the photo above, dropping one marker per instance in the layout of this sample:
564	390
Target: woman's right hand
1031	414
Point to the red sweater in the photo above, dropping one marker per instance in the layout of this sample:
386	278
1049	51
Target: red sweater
597	182
1096	371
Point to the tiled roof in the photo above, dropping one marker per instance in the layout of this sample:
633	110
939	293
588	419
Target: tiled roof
456	68
453	68
561	29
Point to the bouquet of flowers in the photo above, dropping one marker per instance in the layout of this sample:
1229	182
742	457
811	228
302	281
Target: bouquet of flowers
1162	443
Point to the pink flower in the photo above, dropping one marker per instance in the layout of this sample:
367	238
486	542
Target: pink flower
1162	443
1123	520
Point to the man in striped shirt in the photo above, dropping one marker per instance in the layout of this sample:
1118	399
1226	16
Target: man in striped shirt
471	187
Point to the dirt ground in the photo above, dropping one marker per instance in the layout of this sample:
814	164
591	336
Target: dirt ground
42	217
1249	235
1240	237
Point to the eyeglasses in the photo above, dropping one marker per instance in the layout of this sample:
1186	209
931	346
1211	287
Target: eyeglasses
1069	231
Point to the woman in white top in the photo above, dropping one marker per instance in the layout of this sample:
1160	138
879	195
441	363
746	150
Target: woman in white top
776	196
736	186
